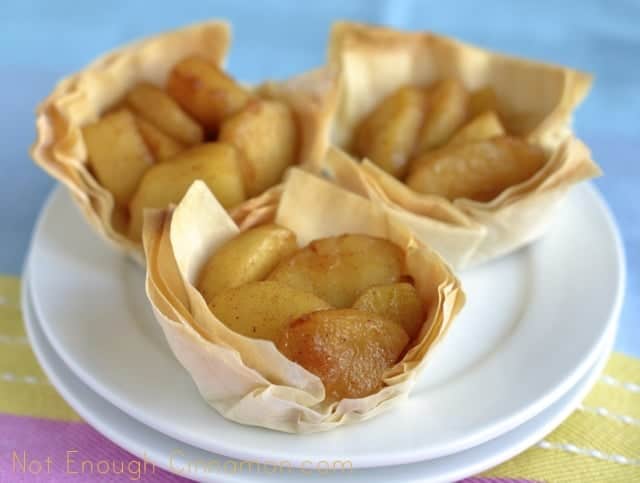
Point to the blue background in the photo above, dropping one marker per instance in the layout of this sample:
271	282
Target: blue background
41	41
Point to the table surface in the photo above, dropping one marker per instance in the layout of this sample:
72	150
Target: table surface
41	41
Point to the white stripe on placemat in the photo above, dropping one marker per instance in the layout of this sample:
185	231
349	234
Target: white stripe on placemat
10	339
602	411
612	381
11	377
592	453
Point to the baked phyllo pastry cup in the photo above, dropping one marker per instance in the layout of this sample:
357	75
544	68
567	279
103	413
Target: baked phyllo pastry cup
135	128
472	150
239	365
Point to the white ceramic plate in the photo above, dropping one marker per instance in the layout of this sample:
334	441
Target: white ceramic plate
534	323
174	456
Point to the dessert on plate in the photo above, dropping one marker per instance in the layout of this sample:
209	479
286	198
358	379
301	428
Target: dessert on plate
135	128
472	150
306	318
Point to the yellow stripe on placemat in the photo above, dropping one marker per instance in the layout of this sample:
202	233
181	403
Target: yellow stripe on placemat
599	442
10	314
619	390
24	389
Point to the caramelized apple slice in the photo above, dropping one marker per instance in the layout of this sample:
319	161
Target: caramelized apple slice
265	133
446	112
397	302
248	257
161	145
262	310
117	153
339	269
205	92
347	349
479	171
216	164
387	135
157	107
482	127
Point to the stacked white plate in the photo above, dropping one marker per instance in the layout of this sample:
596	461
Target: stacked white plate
530	343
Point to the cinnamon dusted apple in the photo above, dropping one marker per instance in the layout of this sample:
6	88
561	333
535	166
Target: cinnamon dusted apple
484	126
338	269
249	257
470	148
273	352
426	137
265	133
397	302
447	110
261	286
217	164
118	153
257	141
388	135
106	131
161	110
478	170
263	309
206	92
349	350
161	145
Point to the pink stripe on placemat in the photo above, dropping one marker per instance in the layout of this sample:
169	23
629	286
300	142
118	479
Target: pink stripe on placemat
40	450
496	480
